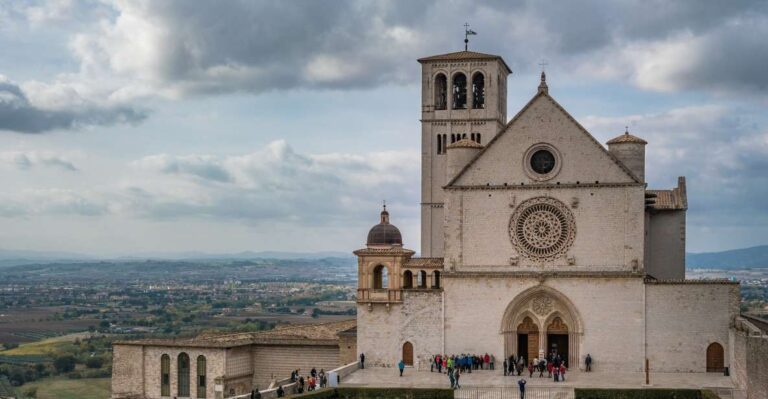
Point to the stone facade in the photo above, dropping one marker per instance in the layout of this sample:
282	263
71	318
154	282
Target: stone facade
547	241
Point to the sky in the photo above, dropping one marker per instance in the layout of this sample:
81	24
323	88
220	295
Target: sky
145	126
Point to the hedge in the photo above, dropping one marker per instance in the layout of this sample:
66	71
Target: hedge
379	393
651	393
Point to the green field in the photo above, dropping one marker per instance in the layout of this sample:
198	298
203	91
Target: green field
61	388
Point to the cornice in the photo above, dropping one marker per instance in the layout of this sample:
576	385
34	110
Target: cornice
539	186
543	274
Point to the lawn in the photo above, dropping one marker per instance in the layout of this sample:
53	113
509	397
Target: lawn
62	388
48	346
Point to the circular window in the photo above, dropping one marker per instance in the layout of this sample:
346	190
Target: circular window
542	162
542	228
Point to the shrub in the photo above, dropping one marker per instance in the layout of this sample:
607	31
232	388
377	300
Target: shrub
94	362
654	393
64	364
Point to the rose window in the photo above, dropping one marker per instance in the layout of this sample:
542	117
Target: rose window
542	228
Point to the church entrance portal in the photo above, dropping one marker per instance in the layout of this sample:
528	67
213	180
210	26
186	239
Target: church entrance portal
408	354
541	320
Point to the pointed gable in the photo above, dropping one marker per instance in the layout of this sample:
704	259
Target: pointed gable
581	158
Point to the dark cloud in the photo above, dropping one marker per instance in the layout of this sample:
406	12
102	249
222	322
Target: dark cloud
18	114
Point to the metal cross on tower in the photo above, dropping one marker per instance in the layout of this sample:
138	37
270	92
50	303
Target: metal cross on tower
467	33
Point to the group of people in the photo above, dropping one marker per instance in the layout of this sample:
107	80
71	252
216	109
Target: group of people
553	364
465	363
313	381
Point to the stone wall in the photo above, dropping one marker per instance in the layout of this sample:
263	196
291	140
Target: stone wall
277	361
666	242
749	359
127	373
215	363
382	331
610	311
684	319
347	348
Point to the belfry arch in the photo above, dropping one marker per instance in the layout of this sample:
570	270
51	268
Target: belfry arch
558	325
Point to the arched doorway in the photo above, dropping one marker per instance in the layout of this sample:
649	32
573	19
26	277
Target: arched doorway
527	340
557	339
715	358
408	354
407	279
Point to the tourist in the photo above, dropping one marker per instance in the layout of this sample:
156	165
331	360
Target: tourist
493	361
530	369
280	391
562	372
542	367
505	367
456	374
521	383
445	362
449	364
313	372
550	366
401	366
362	360
301	384
511	364
451	379
487	361
520	365
255	394
588	362
322	378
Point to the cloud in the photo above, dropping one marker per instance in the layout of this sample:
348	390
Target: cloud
52	109
26	160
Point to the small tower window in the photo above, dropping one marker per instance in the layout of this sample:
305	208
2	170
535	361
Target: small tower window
422	279
459	91
407	279
436	279
439	144
380	277
441	91
478	91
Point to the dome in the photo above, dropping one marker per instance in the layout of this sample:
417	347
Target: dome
384	233
626	138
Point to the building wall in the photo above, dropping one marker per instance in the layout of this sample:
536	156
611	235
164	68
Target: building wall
749	359
347	348
215	363
277	361
381	332
610	310
683	319
666	239
127	370
609	228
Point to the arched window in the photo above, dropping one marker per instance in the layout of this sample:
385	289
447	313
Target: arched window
436	279
407	279
201	382
183	379
165	375
478	91
441	91
459	91
422	279
715	358
380	277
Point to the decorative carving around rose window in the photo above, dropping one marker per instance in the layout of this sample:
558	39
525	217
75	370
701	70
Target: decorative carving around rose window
542	305
542	229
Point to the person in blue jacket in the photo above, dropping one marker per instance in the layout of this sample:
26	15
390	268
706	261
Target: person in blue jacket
401	366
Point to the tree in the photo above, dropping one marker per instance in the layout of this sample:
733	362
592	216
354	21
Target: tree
94	362
64	364
30	393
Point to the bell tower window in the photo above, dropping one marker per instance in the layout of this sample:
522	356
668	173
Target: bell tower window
478	91
441	91
459	91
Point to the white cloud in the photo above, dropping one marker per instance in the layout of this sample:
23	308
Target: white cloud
33	159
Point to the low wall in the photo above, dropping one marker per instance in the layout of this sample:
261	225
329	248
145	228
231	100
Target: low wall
750	360
336	375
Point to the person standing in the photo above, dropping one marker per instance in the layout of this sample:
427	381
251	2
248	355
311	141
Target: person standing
456	374
588	362
362	360
521	383
280	391
505	367
255	394
451	379
401	366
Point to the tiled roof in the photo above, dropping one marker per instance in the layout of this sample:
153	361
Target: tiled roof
465	143
306	334
626	138
463	56
424	262
674	199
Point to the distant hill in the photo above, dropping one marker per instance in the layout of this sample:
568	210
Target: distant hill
752	258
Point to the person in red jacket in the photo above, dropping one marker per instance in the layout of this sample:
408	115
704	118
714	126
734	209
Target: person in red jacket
562	372
487	361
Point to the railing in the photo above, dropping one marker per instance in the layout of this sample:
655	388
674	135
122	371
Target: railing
289	389
514	393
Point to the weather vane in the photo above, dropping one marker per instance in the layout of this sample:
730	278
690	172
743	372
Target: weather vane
467	33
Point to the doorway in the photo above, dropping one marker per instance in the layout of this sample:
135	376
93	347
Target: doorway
715	358
557	339
408	354
527	340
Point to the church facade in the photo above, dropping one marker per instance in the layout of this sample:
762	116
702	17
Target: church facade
535	238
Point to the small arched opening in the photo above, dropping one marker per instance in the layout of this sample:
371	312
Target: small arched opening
201	377
478	91
715	358
380	277
165	375
183	370
408	354
459	91
407	279
441	91
422	279
436	279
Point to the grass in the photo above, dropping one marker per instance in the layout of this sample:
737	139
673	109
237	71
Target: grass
46	347
62	388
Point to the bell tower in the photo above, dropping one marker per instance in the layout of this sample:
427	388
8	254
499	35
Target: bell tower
463	97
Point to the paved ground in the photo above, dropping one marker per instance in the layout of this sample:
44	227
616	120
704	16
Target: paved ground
388	377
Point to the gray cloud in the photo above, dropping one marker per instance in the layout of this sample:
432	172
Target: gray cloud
33	159
18	114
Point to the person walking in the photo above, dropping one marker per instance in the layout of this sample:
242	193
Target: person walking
493	362
487	361
456	374
451	379
588	362
401	366
521	383
255	394
562	372
280	391
530	370
505	367
362	360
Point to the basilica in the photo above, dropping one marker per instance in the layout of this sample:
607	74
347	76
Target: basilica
536	238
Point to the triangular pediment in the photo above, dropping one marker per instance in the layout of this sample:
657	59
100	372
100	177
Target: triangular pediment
543	123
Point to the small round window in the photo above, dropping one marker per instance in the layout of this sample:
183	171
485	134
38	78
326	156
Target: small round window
542	162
